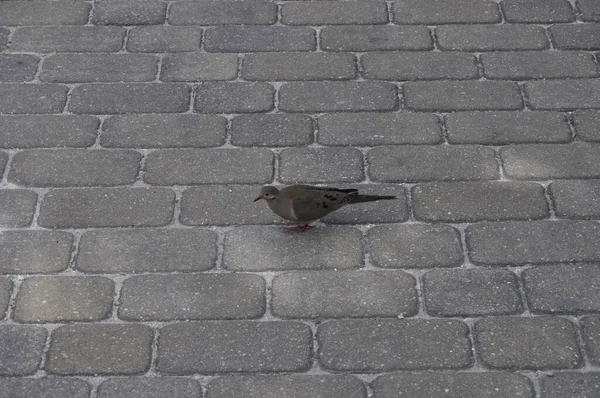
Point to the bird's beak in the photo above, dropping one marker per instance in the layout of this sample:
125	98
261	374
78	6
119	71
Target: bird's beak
257	199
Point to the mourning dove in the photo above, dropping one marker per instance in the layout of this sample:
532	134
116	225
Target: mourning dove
305	203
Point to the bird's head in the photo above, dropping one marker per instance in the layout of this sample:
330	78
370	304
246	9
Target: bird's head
267	193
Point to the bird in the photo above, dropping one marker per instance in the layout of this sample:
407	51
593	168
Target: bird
305	204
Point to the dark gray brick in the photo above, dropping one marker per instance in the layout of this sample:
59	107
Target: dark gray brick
276	129
321	165
199	67
527	343
17	207
415	246
5	292
223	13
234	97
479	200
299	66
428	163
3	161
564	94
334	13
44	388
21	349
17	67
209	166
162	39
107	207
385	345
37	131
500	128
270	248
574	385
532	11
68	39
434	12
129	12
589	9
576	36
162	131
64	299
591	338
373	38
215	347
587	125
419	65
32	98
101	349
16	13
520	243
547	161
505	37
150	387
185	297
130	98
576	198
39	252
471	292
462	95
259	38
74	167
337	96
3	38
453	385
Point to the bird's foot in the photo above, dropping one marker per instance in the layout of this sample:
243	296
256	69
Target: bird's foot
298	228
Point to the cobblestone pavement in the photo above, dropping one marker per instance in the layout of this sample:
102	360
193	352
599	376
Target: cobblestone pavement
135	134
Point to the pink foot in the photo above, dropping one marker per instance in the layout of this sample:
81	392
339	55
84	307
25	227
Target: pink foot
297	228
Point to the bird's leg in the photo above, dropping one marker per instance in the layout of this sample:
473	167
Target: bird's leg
298	228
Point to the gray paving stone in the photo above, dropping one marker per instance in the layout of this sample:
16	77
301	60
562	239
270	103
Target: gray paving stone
3	38
49	39
5	291
501	128
521	243
150	387
147	250
39	252
270	248
74	167
320	165
374	38
591	338
107	207
277	129
100	349
434	12
129	12
18	13
259	38
17	207
239	97
415	246
234	346
564	94
209	166
18	67
507	37
479	200
576	36
386	345
527	343
531	11
576	198
337	96
109	98
334	13
81	68
587	125
189	297
44	388
299	66
164	39
568	384
288	386
223	13
547	161
64	299
453	385
32	98
21	349
589	9
199	67
462	95
36	131
429	163
3	161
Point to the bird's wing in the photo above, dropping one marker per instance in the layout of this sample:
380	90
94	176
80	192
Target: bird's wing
311	203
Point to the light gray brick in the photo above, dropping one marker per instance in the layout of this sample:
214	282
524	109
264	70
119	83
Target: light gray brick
107	207
589	9
275	129
429	163
32	98
18	67
259	38
199	67
320	165
3	38
576	198
270	248
39	131
434	12
527	343
570	384
5	292
164	39
39	252
44	388
101	349
223	13
209	166
130	98
542	242
215	347
419	65
16	207
21	349
150	387
64	299
239	97
374	38
591	338
18	13
505	37
576	36
299	66
415	246
587	125
532	11
564	94
68	39
501	128
334	13
129	12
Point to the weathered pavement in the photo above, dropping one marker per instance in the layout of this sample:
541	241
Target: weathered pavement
135	134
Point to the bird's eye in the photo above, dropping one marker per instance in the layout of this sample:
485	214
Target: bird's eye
267	194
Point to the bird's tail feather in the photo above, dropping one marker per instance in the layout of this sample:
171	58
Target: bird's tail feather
372	198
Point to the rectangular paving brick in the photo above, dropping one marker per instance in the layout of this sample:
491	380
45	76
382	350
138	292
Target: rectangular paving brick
3	161
589	9
68	39
565	384
209	166
334	13
150	387
21	349
107	207
5	292
428	163
507	37
434	12
39	252
531	11
259	38
186	297
273	129
3	37
527	343
239	97
321	165
299	66
564	94
18	67
587	125
16	207
591	333
215	347
44	131
129	12
164	39
17	13
32	98
64	299
45	387
576	198
520	243
223	13
199	67
576	36
374	38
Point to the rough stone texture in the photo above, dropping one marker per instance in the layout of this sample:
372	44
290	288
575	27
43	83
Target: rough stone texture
434	12
129	12
374	38
160	39
5	292
569	384
46	131
44	388
576	198
576	36
419	65
3	161
589	9
505	37
299	66
39	252
3	38
21	349
184	67
334	13
234	97
591	338
32	98
564	94
68	39
234	346
150	387
17	207
587	125
223	13
531	11
259	38
17	67
19	13
272	130
320	165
